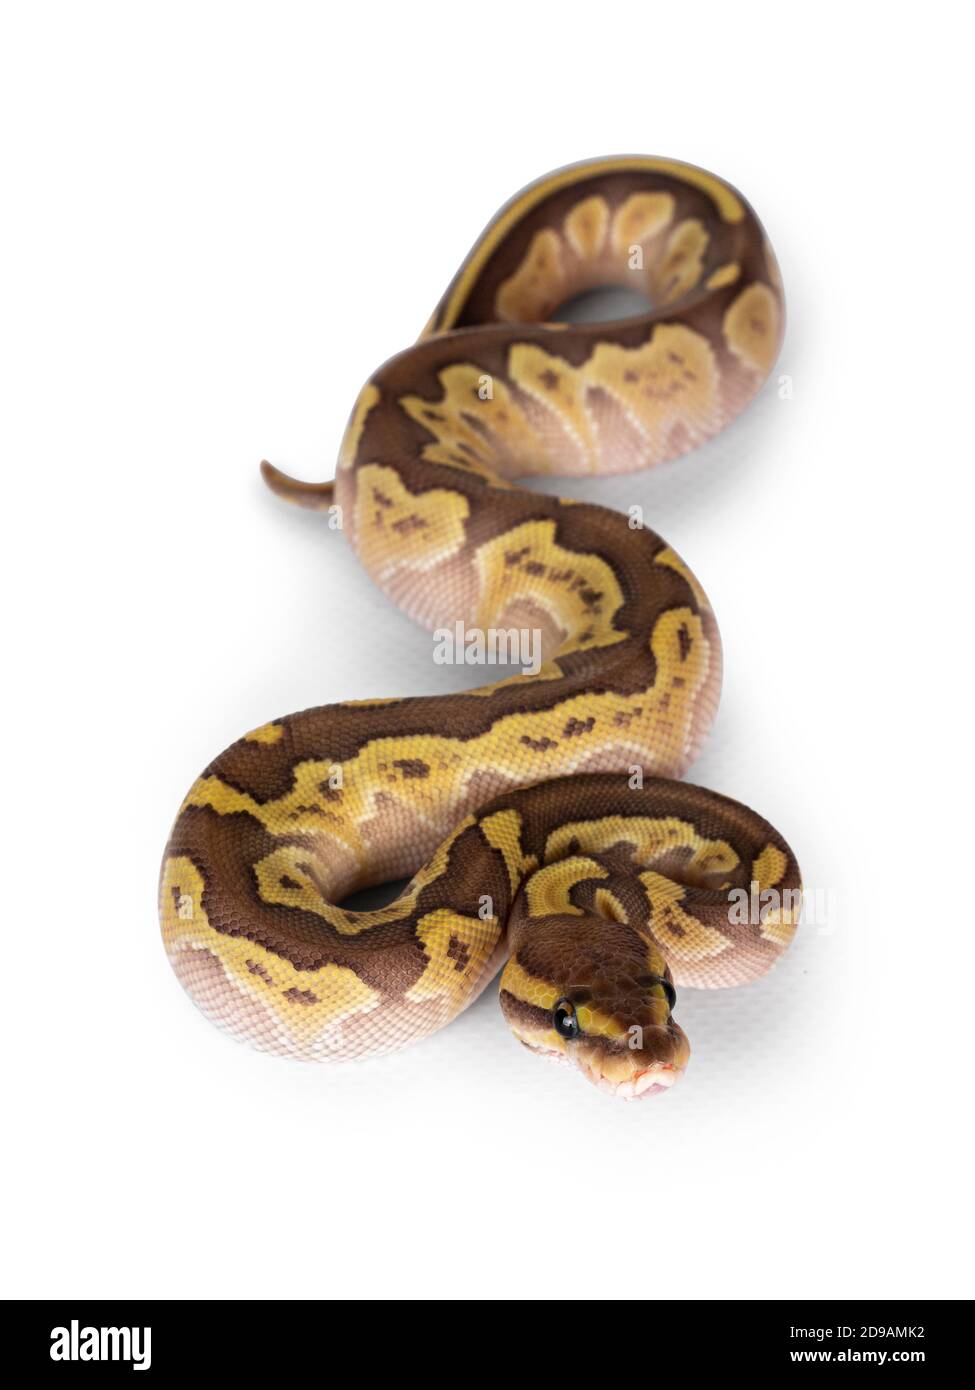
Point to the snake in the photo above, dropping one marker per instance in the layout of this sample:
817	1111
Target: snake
540	821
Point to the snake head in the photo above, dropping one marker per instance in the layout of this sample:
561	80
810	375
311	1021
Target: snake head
596	994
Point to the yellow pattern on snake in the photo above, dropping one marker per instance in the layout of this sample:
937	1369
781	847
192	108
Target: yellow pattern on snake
539	815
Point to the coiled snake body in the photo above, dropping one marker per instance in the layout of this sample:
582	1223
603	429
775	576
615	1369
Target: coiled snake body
537	814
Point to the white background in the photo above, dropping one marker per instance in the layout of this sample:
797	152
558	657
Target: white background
217	221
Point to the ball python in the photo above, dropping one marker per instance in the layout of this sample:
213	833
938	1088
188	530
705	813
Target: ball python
539	815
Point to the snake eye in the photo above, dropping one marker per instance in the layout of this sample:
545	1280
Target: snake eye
564	1019
671	994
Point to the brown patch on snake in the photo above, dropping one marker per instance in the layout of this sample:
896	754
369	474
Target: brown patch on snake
519	1010
538	745
301	996
412	767
457	951
575	727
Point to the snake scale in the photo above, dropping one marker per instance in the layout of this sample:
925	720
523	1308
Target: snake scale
539	815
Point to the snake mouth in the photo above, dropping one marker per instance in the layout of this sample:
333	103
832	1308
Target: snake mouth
651	1081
